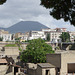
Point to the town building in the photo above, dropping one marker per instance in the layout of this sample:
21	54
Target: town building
19	35
48	30
22	36
5	35
56	33
25	37
61	29
36	35
3	66
60	63
40	69
64	62
3	32
55	36
72	36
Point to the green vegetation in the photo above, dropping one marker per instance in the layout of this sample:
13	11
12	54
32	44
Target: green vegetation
61	9
17	39
1	38
48	37
57	48
72	47
2	1
20	49
36	51
65	37
11	45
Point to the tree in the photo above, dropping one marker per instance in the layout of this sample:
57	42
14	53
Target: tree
1	38
17	39
72	47
36	51
2	1
65	37
48	37
61	9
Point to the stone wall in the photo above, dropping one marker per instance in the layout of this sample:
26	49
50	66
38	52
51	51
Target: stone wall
67	58
11	50
3	69
62	60
54	59
39	71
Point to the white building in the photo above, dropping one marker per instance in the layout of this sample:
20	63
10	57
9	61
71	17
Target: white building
72	36
54	34
24	38
55	37
61	29
36	35
48	30
6	37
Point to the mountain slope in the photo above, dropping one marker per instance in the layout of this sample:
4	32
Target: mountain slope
25	26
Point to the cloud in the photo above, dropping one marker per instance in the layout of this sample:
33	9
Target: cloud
14	11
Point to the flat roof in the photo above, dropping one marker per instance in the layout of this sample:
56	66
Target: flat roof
3	61
46	65
62	52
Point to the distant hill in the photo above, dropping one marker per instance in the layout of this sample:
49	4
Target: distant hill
25	26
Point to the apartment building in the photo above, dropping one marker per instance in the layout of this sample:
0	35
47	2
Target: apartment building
5	35
22	36
25	36
48	30
72	36
19	35
4	32
56	33
36	35
55	36
61	29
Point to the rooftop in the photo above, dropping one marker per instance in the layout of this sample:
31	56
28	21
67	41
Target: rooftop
46	65
3	61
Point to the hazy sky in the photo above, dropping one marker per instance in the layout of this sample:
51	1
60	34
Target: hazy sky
14	11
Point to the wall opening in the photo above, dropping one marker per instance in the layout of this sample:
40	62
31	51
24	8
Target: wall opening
47	72
71	68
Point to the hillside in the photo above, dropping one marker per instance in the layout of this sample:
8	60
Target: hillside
25	26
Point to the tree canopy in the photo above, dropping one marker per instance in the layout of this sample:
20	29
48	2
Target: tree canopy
65	37
36	51
2	1
61	9
1	38
48	37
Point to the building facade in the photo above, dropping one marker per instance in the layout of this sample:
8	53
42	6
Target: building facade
6	37
64	62
36	35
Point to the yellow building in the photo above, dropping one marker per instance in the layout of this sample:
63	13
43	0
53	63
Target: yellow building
4	32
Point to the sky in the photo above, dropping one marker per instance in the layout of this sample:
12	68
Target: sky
14	11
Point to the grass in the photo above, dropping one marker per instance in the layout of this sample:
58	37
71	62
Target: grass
11	45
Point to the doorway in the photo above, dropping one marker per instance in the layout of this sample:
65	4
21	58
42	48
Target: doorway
47	72
71	68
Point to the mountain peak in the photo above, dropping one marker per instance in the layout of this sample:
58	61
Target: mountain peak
25	26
